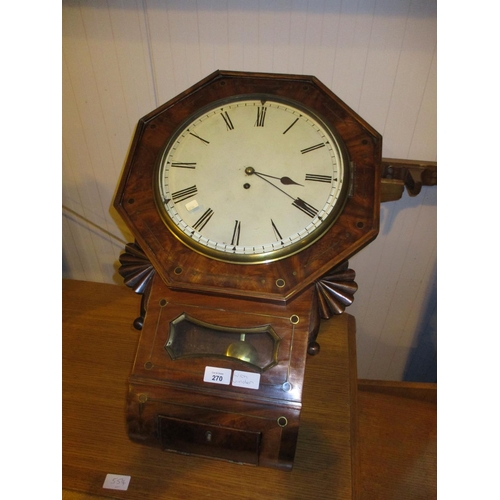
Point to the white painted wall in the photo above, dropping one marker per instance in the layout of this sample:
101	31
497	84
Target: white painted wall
124	58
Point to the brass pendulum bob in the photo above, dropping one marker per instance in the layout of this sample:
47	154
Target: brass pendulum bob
242	350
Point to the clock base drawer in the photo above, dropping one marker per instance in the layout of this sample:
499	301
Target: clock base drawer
213	426
193	438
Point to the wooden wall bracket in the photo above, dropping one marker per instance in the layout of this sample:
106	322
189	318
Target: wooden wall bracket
396	174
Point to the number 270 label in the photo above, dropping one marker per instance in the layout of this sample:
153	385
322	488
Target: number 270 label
217	375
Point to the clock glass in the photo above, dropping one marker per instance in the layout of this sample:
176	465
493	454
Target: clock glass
252	179
191	338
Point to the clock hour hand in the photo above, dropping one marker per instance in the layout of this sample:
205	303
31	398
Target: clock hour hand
251	171
284	180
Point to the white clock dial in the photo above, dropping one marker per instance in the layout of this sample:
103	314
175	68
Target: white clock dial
251	180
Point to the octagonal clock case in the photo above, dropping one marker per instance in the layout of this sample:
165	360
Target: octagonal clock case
246	195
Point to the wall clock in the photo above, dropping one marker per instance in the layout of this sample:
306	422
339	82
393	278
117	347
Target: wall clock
246	194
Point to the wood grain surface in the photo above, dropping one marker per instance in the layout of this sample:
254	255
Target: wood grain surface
99	345
397	440
392	454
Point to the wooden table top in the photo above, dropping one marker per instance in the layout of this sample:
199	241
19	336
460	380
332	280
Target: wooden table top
99	344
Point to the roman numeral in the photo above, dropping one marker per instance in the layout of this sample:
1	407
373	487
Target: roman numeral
200	138
277	234
261	116
227	120
312	148
183	165
236	233
293	123
319	178
305	207
184	194
202	221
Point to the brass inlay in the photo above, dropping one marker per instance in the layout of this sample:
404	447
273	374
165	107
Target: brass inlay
282	421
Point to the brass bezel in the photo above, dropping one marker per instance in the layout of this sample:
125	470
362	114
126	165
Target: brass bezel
279	254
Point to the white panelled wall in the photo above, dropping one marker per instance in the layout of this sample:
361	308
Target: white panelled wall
124	58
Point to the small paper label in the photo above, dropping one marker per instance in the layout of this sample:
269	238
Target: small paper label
191	205
246	379
116	482
216	375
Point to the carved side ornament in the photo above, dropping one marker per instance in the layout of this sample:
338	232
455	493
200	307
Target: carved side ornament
137	273
335	291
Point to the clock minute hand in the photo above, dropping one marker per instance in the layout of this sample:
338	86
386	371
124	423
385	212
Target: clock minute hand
297	202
